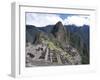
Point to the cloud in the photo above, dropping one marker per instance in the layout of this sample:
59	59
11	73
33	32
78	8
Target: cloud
77	20
41	20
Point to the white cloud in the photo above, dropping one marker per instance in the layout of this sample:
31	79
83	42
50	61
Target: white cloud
41	20
76	20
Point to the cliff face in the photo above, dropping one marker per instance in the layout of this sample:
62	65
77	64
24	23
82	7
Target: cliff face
50	48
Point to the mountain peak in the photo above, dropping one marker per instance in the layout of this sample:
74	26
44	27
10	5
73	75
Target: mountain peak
59	25
59	32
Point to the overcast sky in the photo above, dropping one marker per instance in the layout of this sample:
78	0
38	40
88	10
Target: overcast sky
42	19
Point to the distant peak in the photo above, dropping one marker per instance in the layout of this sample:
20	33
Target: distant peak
59	23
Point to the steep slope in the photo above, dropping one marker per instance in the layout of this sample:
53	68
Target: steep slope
31	32
59	32
79	38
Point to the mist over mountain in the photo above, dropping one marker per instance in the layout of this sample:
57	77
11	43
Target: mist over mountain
57	44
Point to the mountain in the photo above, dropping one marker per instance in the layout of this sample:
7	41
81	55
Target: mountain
59	32
57	45
79	38
83	31
31	32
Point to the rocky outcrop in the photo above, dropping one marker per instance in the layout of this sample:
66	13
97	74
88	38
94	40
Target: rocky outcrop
59	32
